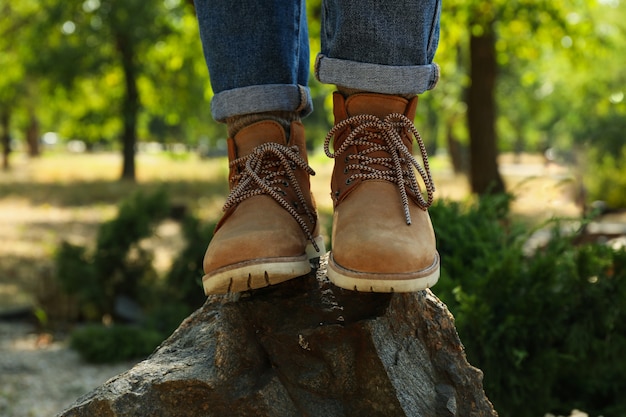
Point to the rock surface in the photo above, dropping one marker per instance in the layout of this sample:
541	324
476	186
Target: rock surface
302	348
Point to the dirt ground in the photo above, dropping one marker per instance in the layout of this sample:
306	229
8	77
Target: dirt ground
40	376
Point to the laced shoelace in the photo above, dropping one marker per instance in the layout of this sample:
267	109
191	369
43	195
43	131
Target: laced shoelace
366	131
266	170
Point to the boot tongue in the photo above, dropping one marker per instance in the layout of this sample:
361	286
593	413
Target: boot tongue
254	135
379	105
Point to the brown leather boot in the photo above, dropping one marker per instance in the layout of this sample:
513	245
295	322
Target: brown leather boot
269	231
382	238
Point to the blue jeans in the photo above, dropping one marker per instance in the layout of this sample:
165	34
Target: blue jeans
257	51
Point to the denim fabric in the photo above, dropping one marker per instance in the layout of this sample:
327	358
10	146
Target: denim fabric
257	51
261	98
259	44
380	46
385	79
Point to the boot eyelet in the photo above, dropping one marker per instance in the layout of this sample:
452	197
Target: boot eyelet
286	183
349	181
337	193
345	170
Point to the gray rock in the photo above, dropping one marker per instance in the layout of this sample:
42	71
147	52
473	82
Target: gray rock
302	348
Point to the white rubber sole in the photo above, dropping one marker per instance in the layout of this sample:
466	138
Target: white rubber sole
386	283
259	273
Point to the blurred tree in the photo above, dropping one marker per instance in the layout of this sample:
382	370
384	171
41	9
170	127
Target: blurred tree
519	75
11	72
599	102
175	87
506	47
15	85
5	139
481	105
96	44
478	18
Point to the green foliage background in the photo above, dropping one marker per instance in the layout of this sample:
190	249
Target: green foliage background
118	268
560	81
546	327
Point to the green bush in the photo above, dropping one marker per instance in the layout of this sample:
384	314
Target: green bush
547	329
608	182
185	277
118	266
103	344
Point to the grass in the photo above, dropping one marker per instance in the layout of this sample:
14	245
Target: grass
64	196
87	179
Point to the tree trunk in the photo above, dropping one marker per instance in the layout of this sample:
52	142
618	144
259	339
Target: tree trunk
484	175
457	151
32	135
130	107
302	348
6	138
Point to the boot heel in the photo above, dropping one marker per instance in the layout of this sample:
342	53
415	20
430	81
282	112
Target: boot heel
313	254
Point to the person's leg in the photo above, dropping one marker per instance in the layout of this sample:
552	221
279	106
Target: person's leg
379	54
381	47
258	59
257	54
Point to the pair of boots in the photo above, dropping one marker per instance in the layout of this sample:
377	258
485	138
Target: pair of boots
382	237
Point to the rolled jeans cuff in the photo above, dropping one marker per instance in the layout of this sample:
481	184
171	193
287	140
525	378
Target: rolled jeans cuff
377	78
260	99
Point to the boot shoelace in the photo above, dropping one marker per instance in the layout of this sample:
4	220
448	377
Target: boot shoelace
267	170
366	132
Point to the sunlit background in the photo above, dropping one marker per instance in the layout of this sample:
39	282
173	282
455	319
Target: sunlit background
103	99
